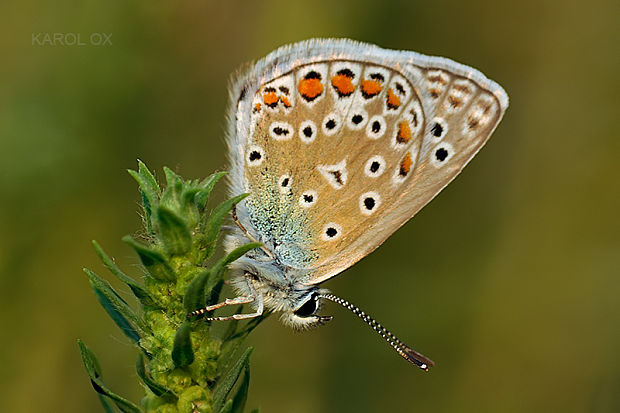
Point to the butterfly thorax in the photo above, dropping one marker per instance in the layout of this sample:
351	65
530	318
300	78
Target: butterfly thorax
278	288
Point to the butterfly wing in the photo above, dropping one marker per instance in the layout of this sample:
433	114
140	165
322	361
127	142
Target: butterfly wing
340	143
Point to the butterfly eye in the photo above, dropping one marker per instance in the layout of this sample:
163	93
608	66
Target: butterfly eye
309	307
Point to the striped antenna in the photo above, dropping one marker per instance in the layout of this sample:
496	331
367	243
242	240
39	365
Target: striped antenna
401	348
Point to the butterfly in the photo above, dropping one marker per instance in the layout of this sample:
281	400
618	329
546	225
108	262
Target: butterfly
338	144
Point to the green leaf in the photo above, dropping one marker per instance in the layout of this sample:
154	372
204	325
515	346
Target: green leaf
172	179
91	364
233	342
173	232
227	408
194	298
234	255
107	406
182	352
149	190
214	284
231	326
150	183
189	208
210	282
138	290
148	213
132	325
206	186
206	242
250	326
157	389
213	292
241	395
153	260
228	380
171	198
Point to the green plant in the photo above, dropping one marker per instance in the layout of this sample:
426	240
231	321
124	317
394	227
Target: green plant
183	365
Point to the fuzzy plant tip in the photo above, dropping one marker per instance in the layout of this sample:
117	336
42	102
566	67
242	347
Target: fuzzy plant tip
182	363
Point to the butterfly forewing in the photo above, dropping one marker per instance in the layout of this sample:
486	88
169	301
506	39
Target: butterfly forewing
341	151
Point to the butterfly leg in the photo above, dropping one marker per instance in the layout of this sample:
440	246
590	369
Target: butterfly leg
257	313
252	297
229	301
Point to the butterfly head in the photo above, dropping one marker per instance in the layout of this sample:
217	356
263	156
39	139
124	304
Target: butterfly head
279	289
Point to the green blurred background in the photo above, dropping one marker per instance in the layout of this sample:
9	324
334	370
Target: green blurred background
509	279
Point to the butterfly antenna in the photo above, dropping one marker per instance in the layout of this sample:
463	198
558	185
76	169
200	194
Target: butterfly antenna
401	348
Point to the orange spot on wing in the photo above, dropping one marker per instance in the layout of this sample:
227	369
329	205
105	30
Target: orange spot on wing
270	99
473	122
257	108
454	101
393	101
462	88
285	101
404	133
310	88
343	85
371	88
405	165
438	79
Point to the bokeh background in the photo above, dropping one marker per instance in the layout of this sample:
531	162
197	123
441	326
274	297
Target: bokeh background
509	279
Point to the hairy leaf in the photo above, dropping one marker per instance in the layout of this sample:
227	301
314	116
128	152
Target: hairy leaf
226	382
157	389
94	372
182	352
138	290
122	314
153	260
173	232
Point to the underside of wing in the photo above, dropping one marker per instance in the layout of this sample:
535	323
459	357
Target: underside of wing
340	143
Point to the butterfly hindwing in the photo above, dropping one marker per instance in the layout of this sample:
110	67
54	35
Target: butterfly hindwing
340	143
